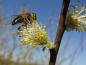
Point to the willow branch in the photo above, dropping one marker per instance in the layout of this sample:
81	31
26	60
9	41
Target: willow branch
60	31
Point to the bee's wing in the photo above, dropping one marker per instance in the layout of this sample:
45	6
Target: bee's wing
16	20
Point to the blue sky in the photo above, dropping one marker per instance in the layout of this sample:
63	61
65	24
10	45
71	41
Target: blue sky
45	9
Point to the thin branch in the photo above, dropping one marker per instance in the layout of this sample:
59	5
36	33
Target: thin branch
60	32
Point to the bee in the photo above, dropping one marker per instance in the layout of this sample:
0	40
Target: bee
25	18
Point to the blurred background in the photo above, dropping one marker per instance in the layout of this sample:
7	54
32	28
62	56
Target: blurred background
73	46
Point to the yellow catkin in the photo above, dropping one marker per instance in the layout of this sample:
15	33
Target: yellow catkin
35	35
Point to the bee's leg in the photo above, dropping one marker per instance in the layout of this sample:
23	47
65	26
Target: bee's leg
19	28
44	48
24	25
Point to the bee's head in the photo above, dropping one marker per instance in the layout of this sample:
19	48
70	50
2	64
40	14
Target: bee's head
34	16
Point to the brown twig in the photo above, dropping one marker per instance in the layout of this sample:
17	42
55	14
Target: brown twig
60	32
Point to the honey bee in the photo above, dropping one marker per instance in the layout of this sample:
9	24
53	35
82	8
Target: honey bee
25	18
